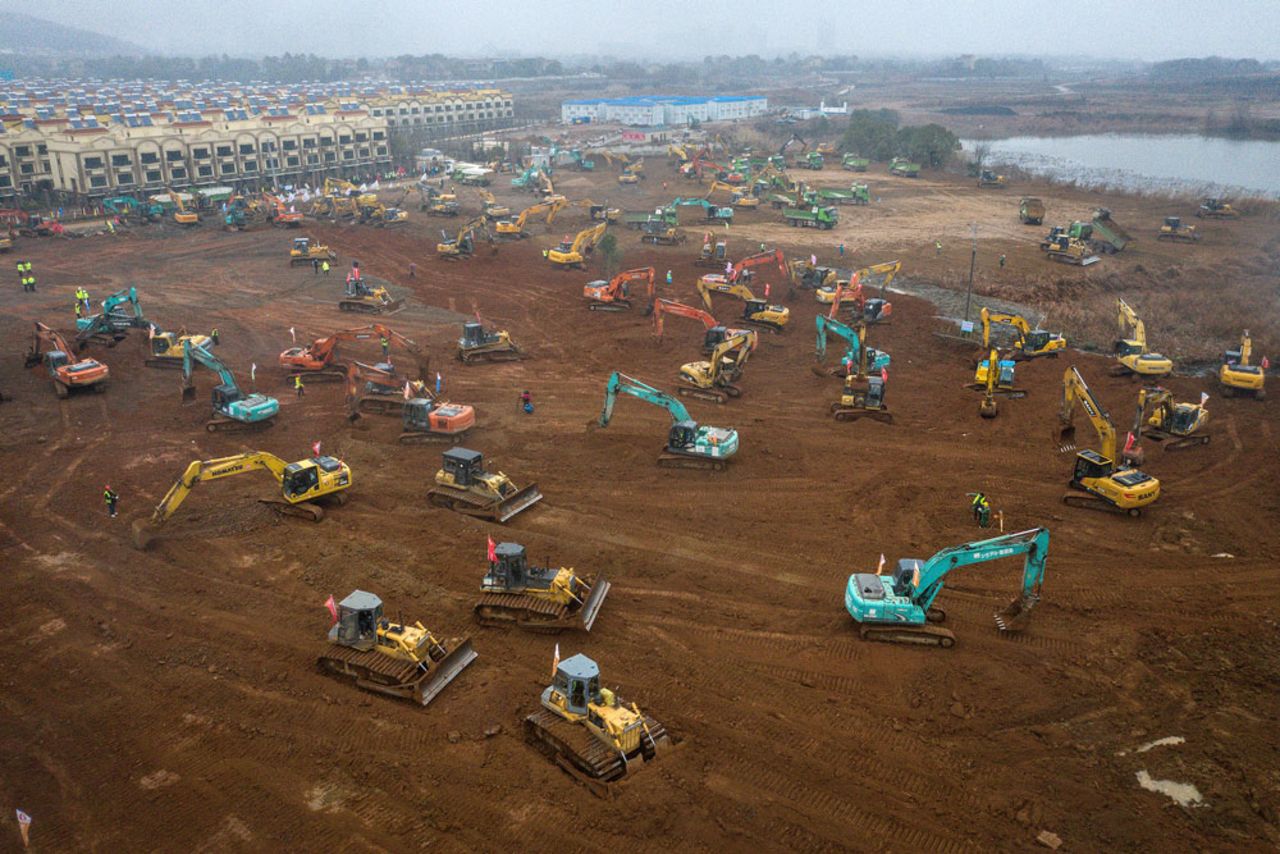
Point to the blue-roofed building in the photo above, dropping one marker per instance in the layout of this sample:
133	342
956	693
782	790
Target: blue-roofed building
657	110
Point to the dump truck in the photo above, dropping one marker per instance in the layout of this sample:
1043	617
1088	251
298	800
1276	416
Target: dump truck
903	167
1031	211
637	219
853	163
816	217
1108	236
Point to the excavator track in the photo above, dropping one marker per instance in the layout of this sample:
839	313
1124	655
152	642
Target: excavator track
219	424
710	394
172	364
586	758
374	671
1089	501
672	459
393	307
853	414
616	305
302	510
1170	442
327	376
920	635
381	405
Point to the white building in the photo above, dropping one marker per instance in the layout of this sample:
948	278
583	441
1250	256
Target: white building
657	110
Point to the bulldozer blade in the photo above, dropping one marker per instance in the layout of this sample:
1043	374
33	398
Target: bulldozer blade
1092	259
591	608
447	669
1016	616
518	503
394	307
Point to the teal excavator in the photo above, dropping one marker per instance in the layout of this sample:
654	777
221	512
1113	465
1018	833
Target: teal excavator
120	312
876	360
689	444
900	609
233	410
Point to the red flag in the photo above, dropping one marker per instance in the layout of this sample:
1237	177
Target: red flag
1128	442
315	448
1266	363
408	393
478	320
332	606
884	374
766	290
492	553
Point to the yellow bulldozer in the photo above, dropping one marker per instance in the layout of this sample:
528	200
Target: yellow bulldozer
304	250
535	598
463	485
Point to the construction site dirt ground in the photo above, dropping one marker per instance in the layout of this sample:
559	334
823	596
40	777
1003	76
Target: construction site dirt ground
169	700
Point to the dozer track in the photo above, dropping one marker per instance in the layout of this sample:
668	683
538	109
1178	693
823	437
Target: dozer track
222	424
323	376
925	635
393	307
462	501
429	438
586	758
374	671
676	459
539	615
472	357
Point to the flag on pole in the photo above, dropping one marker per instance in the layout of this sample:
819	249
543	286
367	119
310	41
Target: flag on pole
24	827
492	552
1204	398
408	393
478	320
332	606
555	662
884	374
315	448
439	383
766	290
1128	442
253	372
880	566
1266	363
293	334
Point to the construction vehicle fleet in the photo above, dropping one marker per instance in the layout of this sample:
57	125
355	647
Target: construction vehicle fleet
689	444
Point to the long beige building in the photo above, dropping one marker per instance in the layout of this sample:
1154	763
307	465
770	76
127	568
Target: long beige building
90	155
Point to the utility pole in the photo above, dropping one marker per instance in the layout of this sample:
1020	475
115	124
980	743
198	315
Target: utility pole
973	262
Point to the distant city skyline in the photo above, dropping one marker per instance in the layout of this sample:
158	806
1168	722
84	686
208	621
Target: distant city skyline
673	29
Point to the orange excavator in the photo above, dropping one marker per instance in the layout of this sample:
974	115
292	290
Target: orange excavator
68	373
425	418
716	333
614	295
279	212
874	310
317	361
744	270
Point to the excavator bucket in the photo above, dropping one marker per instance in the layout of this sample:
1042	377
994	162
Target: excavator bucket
1064	438
143	533
446	670
188	392
1016	616
591	608
518	503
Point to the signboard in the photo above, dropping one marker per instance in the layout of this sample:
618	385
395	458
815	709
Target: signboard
633	136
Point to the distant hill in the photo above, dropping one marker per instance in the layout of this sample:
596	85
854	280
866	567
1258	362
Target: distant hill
25	34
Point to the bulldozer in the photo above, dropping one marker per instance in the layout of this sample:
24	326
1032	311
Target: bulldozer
478	344
1216	209
1238	376
1174	425
302	485
1060	246
463	485
589	731
658	233
1132	355
989	179
536	598
393	658
1176	230
1098	481
366	299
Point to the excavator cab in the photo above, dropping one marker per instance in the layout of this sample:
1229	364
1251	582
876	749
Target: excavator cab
874	398
876	310
904	575
683	434
465	465
307	476
358	617
1091	465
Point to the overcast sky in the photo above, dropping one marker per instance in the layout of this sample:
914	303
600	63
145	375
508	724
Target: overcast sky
657	29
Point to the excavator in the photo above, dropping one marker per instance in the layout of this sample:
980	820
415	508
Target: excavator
591	732
69	374
689	444
388	657
304	251
513	229
900	608
280	214
492	210
715	332
364	299
424	418
856	354
574	254
1100	483
1132	355
167	349
338	188
863	400
463	485
181	215
1174	425
1176	230
714	379
714	255
382	216
871	311
1238	377
876	276
1030	343
462	244
317	361
598	212
1216	209
739	197
614	295
989	179
121	312
233	410
754	311
436	203
994	376
302	484
377	389
537	598
478	344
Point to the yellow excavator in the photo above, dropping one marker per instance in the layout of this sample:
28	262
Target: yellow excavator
462	244
876	276
994	376
1174	425
390	657
301	485
1030	343
574	254
181	215
167	348
598	212
1237	376
513	229
756	311
714	379
1098	481
493	210
739	197
589	731
1132	355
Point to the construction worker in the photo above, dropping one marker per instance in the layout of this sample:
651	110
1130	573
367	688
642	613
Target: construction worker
324	266
213	336
413	270
526	402
981	509
79	310
315	266
22	274
386	347
840	249
668	277
298	386
1002	261
937	245
110	497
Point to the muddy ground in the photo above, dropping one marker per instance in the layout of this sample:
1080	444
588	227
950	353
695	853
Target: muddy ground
169	699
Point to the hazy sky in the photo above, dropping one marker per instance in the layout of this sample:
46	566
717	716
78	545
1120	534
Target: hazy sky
656	29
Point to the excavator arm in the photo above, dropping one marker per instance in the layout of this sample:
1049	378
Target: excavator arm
851	290
201	470
1130	323
666	306
1033	544
620	383
758	260
1076	392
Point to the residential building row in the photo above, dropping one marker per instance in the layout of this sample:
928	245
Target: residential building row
658	110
